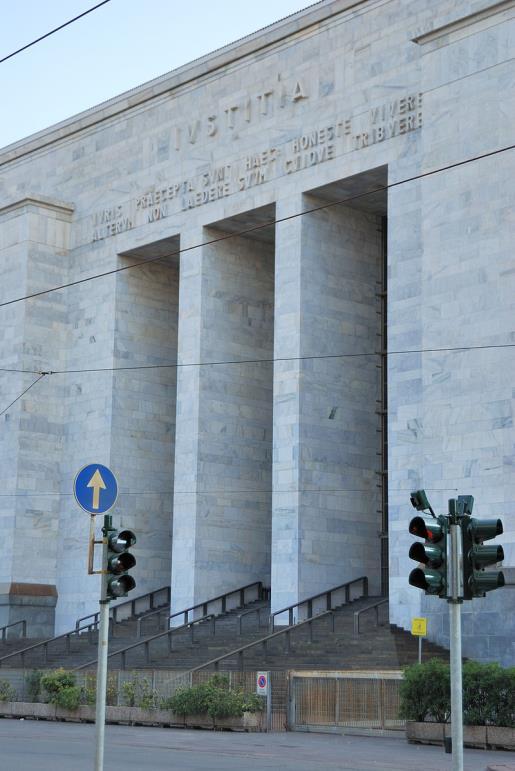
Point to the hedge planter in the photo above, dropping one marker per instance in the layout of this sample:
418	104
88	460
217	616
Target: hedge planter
482	737
250	721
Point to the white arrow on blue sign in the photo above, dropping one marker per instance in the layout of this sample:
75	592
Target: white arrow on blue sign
95	488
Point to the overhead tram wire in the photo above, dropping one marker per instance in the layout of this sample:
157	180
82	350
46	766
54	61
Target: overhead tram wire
271	360
52	31
42	375
261	226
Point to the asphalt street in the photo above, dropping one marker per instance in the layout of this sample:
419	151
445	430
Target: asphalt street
28	745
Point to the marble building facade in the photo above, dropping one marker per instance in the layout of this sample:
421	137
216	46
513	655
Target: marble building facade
257	220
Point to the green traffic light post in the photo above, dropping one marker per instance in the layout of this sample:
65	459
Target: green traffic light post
96	490
115	583
452	563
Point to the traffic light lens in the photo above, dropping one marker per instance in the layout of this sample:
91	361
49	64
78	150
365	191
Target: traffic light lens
120	587
121	541
417	526
430	580
121	562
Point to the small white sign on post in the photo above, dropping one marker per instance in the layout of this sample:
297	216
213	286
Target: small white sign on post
262	683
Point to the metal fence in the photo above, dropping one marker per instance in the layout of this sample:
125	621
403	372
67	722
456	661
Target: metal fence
335	700
163	683
301	701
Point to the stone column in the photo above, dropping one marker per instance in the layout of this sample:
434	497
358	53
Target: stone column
34	245
221	536
143	412
325	501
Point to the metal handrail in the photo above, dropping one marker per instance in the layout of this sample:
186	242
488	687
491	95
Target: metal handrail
374	606
247	613
146	643
114	610
328	599
3	629
263	641
202	605
45	643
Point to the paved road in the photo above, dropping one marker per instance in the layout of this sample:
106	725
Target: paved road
28	745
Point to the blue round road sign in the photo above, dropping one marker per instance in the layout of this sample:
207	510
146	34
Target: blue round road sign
95	488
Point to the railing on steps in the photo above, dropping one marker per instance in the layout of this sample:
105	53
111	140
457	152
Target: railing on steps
88	628
116	610
326	597
263	641
222	600
310	603
44	644
3	629
374	606
145	644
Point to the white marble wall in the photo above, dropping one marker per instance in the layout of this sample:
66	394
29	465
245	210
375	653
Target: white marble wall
335	68
326	441
222	516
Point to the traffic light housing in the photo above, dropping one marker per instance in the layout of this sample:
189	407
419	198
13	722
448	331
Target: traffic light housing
119	562
432	554
477	581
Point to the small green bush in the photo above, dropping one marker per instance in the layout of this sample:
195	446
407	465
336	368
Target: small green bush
89	690
7	692
69	697
214	698
139	693
33	684
425	692
53	683
488	693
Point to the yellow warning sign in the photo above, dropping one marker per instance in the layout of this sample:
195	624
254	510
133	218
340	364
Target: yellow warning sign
419	627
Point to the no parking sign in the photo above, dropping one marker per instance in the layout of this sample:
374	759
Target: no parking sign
262	683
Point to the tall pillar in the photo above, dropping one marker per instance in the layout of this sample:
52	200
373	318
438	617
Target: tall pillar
222	501
326	441
143	411
34	246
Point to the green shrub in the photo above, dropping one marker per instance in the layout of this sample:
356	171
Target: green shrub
214	698
89	690
33	684
69	697
425	692
488	693
53	683
139	693
7	692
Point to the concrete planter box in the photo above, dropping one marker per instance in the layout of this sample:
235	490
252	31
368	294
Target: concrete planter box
478	736
132	716
27	709
500	738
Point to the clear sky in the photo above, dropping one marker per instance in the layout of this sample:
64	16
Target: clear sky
118	46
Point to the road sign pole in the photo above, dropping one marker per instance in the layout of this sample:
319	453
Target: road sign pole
420	650
103	641
455	639
269	704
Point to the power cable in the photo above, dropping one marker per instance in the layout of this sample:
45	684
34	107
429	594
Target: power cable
279	359
254	228
42	375
230	492
272	360
52	31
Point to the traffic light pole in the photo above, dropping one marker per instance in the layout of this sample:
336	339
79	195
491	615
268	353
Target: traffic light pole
103	639
455	602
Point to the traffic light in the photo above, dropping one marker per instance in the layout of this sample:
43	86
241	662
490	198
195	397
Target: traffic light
477	581
432	554
119	561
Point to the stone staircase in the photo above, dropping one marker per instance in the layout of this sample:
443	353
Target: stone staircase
376	647
327	643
